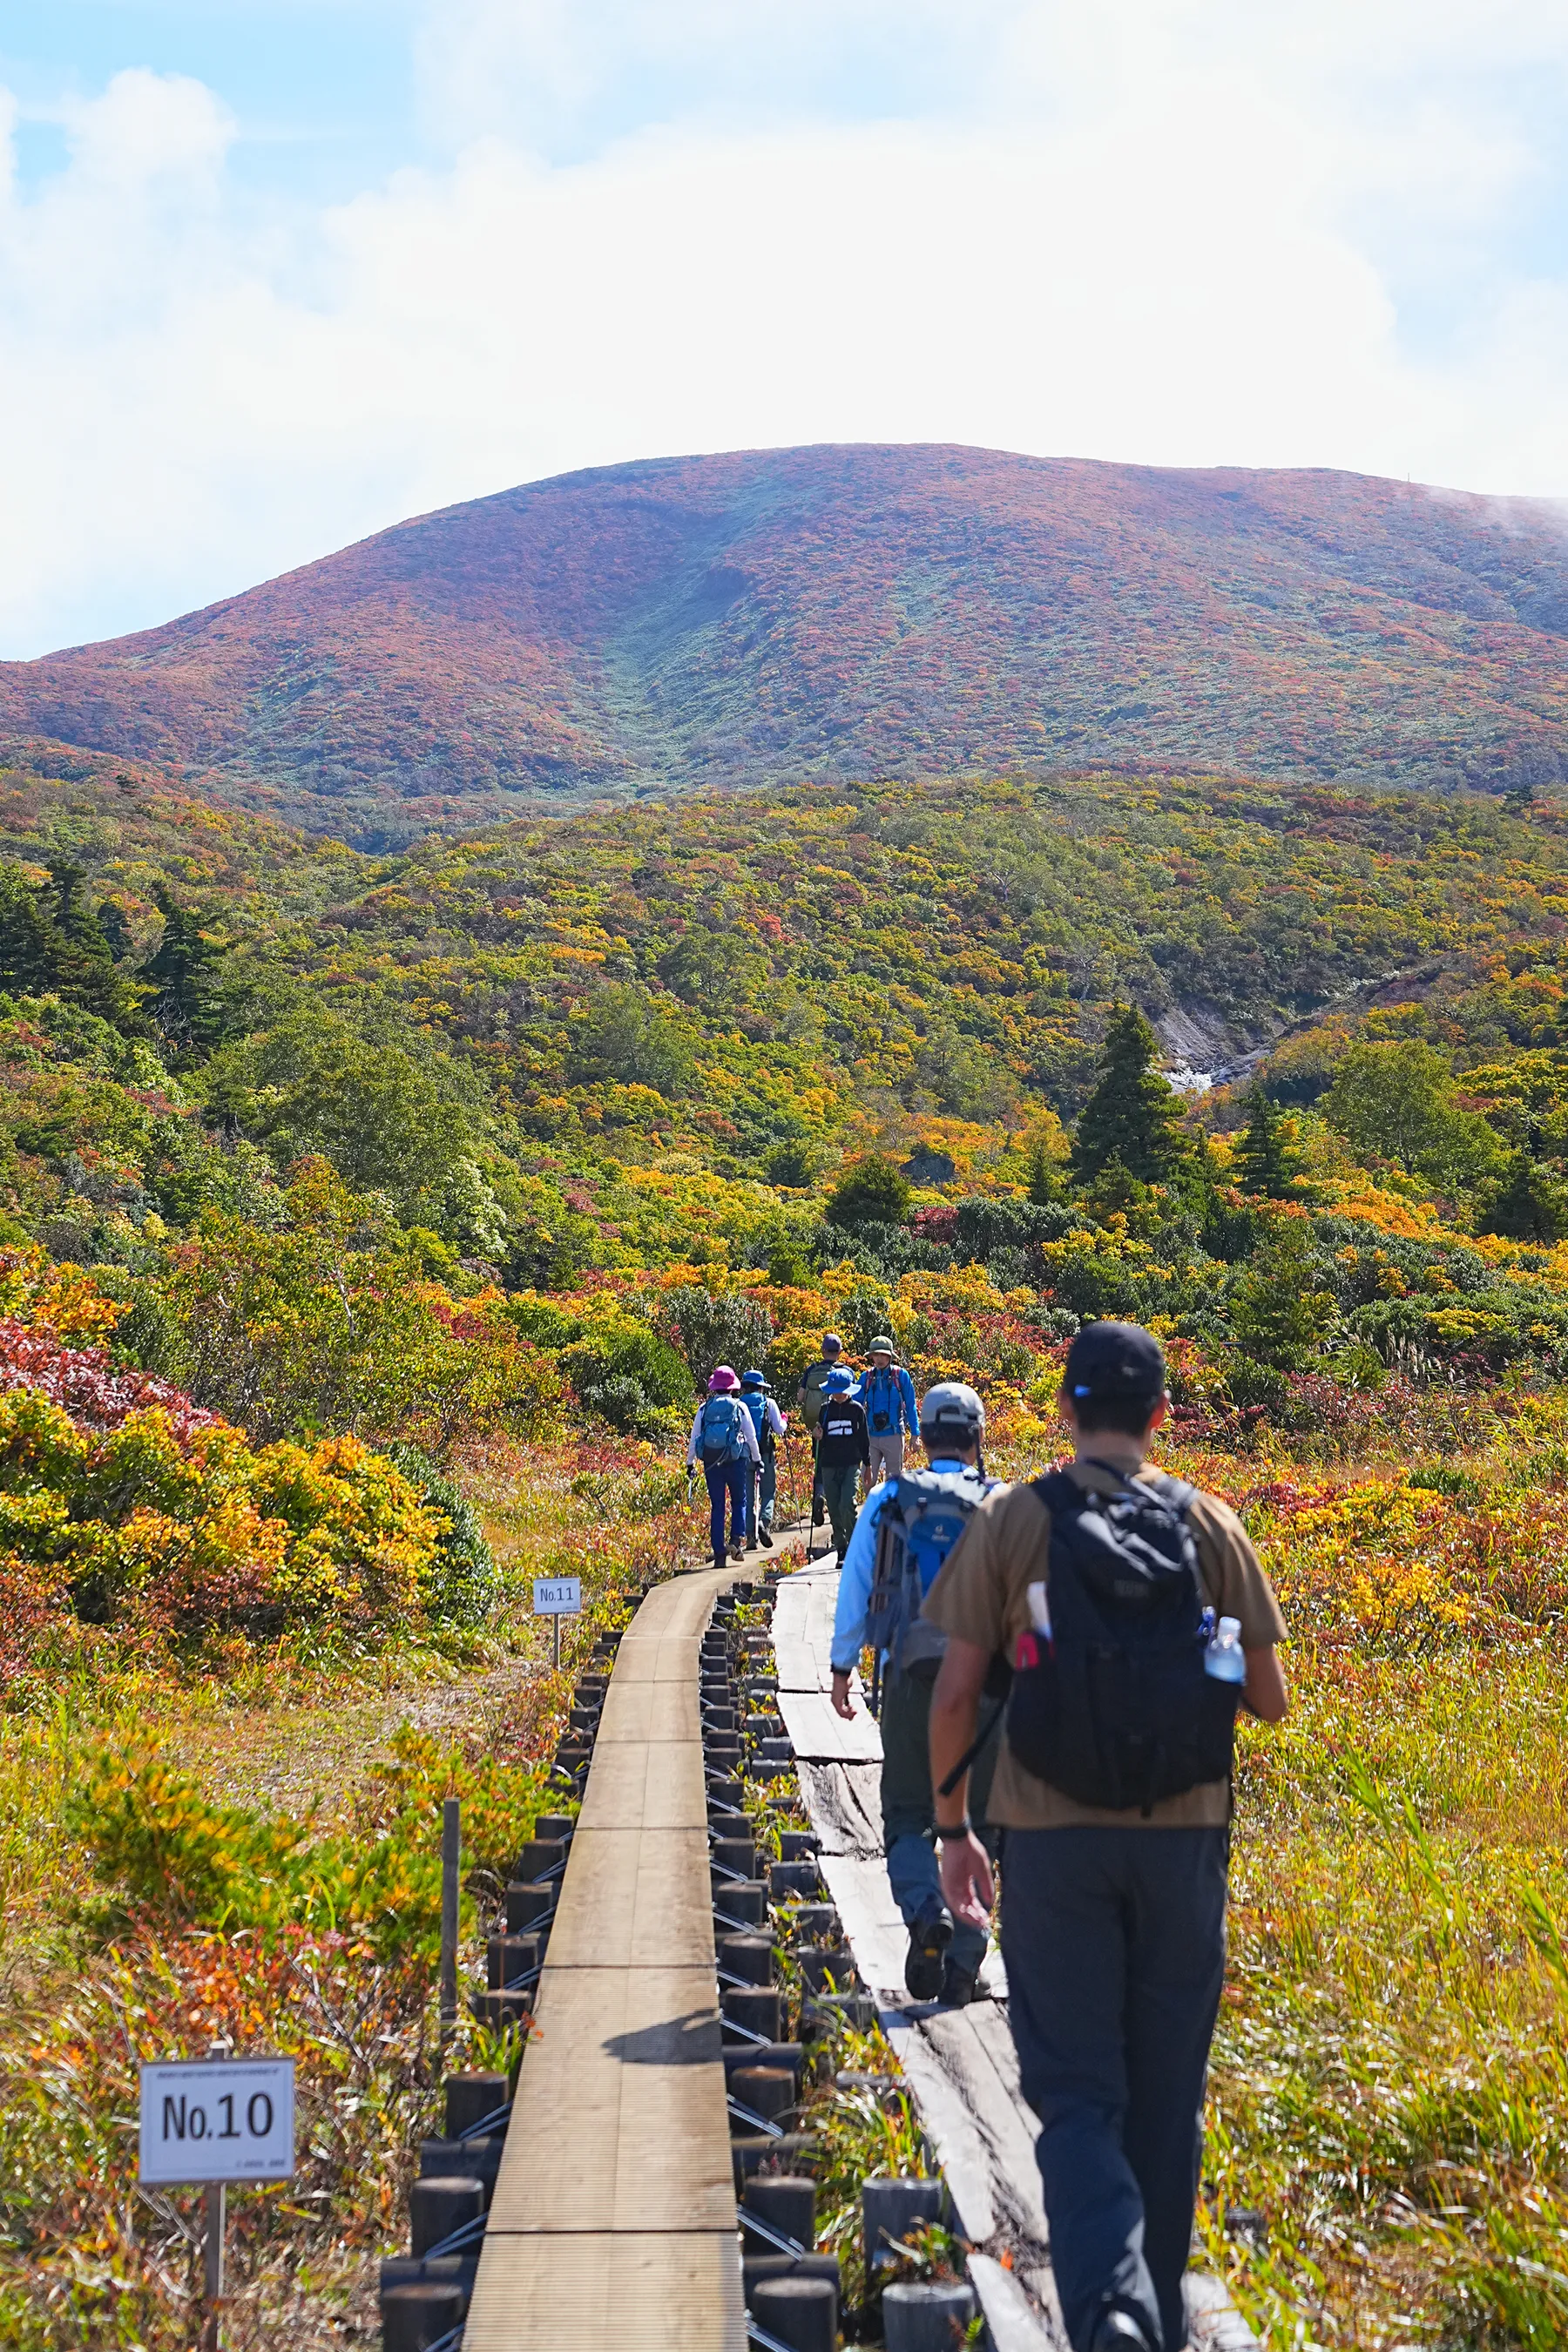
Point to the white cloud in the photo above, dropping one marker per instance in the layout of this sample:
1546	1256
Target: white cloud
1173	231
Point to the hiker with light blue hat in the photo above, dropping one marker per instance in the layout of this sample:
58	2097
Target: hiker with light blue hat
762	1486
841	1452
886	1394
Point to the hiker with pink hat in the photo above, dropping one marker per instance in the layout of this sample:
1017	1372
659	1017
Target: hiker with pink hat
724	1442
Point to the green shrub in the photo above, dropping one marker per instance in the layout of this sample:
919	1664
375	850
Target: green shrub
462	1584
871	1193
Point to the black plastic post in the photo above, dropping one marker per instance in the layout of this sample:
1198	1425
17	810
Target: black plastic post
414	2317
800	2312
473	2099
891	2208
440	2204
926	2314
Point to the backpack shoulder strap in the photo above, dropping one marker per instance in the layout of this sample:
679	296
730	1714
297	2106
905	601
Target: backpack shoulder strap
1061	1495
1175	1492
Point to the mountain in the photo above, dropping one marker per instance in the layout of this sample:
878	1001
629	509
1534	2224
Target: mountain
852	612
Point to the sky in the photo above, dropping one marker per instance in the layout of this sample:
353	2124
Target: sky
275	274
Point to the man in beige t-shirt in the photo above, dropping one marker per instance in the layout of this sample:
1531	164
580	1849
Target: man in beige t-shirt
1112	1921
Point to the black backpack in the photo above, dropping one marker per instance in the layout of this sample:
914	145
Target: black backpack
1113	1707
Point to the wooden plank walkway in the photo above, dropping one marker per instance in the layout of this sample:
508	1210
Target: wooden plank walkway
613	2221
959	2064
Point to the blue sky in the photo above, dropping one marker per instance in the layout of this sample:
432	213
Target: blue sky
276	273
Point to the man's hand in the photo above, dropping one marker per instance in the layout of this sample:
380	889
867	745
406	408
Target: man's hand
967	1884
842	1703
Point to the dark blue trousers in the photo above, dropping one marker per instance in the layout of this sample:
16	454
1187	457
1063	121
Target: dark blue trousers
1114	1941
727	1478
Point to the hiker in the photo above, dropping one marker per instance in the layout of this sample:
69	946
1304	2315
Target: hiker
904	1533
724	1442
841	1453
888	1395
808	1396
769	1424
1102	1583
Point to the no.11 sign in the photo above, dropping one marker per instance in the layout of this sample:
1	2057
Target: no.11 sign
557	1597
218	2119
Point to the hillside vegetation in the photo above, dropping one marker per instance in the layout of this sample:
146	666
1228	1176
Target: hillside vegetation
852	612
367	1226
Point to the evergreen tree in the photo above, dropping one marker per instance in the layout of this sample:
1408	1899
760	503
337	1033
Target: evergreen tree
1281	1307
1266	1161
1045	1185
1132	1115
181	972
52	944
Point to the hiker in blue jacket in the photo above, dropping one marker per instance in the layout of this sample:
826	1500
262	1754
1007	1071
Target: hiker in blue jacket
886	1394
724	1442
903	1534
762	1485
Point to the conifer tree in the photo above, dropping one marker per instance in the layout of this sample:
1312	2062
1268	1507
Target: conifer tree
1267	1163
183	969
1045	1185
1132	1115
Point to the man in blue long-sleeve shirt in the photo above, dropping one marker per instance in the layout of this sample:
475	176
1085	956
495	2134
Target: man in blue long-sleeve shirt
929	1509
886	1394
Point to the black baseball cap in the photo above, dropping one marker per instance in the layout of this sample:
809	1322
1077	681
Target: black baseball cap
1118	1362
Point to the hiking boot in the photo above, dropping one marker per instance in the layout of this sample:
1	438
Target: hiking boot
957	1985
1118	2331
766	1538
737	1551
930	1933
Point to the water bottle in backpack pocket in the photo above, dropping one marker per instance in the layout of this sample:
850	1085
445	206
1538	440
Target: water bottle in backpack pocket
1114	1704
922	1516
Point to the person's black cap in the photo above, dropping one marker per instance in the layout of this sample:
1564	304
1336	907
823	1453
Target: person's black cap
1119	1362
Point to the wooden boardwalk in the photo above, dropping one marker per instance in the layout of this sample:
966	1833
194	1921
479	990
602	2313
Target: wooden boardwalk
614	2223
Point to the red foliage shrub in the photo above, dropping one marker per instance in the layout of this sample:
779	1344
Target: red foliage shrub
81	1382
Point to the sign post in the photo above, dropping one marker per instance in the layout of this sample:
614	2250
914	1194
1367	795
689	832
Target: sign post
451	1870
211	2121
557	1597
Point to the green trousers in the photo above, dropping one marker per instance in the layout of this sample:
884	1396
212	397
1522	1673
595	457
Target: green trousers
908	1809
838	1494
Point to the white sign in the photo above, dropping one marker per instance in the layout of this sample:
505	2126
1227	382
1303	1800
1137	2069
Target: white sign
218	2119
557	1596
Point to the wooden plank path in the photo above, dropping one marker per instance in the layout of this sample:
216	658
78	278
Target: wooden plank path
614	2223
959	2064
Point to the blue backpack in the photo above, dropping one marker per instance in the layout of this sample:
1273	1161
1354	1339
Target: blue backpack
756	1404
922	1517
719	1435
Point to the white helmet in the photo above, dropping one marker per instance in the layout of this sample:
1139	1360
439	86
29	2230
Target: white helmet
952	1410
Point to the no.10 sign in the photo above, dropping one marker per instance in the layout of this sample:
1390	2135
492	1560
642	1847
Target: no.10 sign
218	2119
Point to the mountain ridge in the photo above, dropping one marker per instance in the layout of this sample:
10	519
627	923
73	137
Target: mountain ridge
850	612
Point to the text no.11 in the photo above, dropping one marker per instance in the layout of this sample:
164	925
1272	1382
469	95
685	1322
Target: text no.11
557	1597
